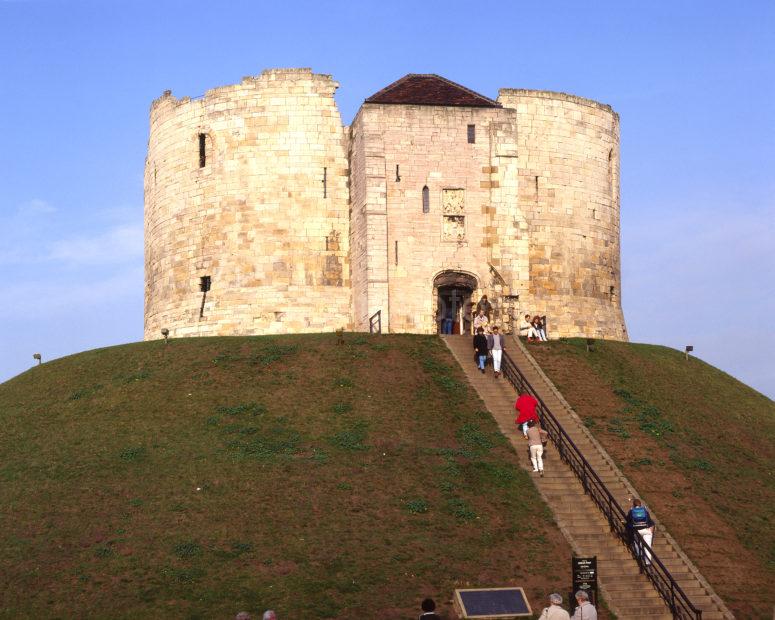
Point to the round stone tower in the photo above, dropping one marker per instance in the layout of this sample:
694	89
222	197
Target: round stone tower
246	209
568	193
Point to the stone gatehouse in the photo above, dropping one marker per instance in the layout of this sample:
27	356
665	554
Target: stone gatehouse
265	214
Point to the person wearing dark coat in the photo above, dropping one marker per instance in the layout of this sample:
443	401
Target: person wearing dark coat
429	610
485	305
480	347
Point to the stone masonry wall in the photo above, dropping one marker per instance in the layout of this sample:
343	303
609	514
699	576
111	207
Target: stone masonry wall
254	218
568	164
304	225
473	224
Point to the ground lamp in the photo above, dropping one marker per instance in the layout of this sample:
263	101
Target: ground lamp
36	356
689	349
166	333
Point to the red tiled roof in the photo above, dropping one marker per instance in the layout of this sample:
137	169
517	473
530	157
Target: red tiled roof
430	89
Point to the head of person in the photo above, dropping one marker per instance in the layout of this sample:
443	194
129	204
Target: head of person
269	615
243	615
555	599
636	501
428	605
484	297
527	317
582	597
481	311
494	329
480	330
531	423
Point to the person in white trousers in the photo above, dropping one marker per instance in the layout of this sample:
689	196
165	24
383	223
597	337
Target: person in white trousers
639	520
495	343
536	436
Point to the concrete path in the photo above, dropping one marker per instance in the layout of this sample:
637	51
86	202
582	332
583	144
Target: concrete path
628	593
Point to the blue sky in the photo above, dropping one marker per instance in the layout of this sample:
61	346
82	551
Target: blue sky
694	83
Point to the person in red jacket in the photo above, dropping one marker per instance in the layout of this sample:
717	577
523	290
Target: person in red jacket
526	407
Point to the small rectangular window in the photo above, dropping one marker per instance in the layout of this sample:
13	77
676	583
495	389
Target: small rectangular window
202	150
471	134
204	284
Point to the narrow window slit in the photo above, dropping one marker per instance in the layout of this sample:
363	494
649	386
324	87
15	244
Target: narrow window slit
471	134
202	150
204	286
396	251
398	176
426	200
325	182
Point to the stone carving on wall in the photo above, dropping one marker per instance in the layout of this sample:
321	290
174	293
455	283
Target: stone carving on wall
453	201
453	209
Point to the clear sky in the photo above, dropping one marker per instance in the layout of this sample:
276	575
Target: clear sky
694	83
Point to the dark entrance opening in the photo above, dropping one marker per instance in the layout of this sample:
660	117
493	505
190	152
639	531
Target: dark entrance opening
453	291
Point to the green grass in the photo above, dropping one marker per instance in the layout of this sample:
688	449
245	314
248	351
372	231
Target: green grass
206	476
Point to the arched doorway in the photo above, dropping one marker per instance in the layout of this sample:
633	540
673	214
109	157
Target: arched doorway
452	293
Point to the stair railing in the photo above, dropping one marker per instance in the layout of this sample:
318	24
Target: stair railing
375	323
675	598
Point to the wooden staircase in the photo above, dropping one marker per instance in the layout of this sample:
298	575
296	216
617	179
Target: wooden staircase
628	593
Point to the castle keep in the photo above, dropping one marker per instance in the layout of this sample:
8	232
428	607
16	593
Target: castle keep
265	214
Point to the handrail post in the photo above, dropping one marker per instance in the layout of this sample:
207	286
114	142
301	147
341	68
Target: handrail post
672	597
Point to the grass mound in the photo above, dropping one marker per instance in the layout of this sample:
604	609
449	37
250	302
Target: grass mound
698	444
207	476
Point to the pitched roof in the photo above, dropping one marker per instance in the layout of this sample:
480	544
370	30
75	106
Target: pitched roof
430	89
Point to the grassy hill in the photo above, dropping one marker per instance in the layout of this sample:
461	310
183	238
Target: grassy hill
698	444
206	476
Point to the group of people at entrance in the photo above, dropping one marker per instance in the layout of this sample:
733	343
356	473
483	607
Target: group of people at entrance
470	315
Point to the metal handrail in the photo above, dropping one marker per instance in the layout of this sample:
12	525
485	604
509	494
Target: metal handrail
675	598
375	322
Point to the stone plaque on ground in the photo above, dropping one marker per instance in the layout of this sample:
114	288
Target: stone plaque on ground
486	603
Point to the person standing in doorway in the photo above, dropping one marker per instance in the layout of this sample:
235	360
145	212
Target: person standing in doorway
449	318
639	521
480	347
468	309
495	342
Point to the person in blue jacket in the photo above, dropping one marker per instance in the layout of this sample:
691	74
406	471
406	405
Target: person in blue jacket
639	520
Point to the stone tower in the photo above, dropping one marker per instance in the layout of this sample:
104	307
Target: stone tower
264	214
